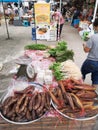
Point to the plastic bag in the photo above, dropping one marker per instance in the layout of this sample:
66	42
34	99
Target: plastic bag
15	85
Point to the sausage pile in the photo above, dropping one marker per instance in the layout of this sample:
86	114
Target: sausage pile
26	105
72	98
75	99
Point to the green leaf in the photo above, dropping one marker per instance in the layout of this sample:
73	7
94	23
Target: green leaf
56	71
61	52
36	47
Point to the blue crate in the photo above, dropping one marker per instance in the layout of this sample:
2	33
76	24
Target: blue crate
76	21
26	23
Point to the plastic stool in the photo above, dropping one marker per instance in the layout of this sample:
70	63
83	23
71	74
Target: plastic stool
25	23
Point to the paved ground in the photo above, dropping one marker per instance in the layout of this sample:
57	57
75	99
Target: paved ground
21	36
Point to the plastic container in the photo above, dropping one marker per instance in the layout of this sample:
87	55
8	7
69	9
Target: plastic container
26	23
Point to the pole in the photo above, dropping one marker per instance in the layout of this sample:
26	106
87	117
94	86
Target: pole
58	37
60	5
19	8
95	10
34	23
6	22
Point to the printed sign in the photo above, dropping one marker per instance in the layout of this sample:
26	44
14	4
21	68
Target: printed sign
42	13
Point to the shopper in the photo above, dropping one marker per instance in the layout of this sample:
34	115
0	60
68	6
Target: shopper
16	11
76	15
90	65
90	14
69	13
84	12
57	16
8	11
64	9
21	12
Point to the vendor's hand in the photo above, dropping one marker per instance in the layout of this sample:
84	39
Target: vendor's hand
86	49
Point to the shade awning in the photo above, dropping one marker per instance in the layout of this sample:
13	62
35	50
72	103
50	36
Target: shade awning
8	0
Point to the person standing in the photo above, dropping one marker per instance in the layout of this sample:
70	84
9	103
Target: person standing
16	11
64	9
57	16
76	15
90	65
21	12
90	14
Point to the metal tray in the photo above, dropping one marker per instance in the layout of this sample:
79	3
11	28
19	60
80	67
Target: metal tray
4	96
66	116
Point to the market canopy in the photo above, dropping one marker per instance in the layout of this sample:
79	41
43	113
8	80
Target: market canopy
9	1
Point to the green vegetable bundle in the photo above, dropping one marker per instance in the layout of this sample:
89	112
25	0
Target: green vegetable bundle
36	47
61	52
56	71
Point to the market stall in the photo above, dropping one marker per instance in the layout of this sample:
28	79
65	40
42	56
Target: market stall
48	85
85	29
86	26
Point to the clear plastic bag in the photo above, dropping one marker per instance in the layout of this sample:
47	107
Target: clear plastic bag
15	85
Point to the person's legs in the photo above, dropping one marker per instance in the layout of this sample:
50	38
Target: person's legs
85	69
61	26
90	66
57	30
94	78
